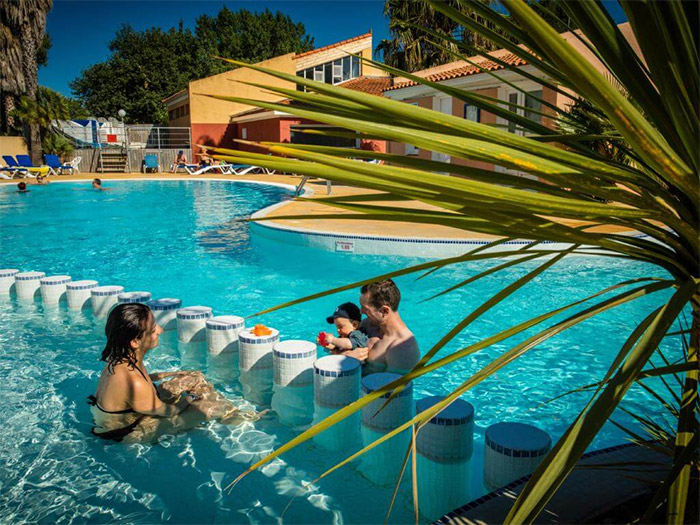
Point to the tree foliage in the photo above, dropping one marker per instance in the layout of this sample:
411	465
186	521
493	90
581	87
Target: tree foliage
411	48
147	66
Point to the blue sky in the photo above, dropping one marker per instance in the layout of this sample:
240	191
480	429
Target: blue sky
80	30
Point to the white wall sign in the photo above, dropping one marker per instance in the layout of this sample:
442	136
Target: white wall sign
345	246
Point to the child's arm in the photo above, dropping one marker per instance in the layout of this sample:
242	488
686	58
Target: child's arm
340	343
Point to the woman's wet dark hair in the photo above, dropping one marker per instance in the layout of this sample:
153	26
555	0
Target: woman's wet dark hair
124	324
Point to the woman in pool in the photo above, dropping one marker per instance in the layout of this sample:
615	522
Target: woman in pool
127	405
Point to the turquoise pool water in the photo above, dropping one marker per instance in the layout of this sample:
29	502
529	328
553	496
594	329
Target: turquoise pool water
180	239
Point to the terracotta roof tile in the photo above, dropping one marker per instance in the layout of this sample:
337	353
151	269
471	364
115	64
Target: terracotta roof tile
461	69
331	46
371	85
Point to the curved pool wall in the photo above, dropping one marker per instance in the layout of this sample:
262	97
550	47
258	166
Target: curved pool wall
377	244
188	247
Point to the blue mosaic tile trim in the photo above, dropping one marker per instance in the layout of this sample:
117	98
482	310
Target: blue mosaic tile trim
155	305
517	453
226	326
132	300
284	355
258	340
199	315
448	519
405	392
9	273
46	282
71	286
395	239
337	373
100	293
30	277
451	421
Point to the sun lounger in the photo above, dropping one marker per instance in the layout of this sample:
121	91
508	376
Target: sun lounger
150	162
13	170
24	167
55	165
189	168
224	169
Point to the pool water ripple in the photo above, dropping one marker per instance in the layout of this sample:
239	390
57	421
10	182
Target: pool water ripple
185	239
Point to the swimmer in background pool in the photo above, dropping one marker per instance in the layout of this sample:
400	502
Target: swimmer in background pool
40	180
128	406
22	187
97	185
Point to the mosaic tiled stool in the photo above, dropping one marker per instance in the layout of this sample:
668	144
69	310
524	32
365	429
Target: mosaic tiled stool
134	297
222	334
512	450
78	294
192	323
7	280
382	464
28	284
293	381
445	445
337	384
103	299
255	365
53	289
165	311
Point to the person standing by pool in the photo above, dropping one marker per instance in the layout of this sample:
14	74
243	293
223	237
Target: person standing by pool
395	349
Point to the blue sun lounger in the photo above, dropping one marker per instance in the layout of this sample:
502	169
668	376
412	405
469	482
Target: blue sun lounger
55	165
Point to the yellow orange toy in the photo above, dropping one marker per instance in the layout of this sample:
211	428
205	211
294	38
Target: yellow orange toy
261	329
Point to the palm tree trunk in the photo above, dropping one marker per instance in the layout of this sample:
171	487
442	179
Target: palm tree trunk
29	49
8	104
687	424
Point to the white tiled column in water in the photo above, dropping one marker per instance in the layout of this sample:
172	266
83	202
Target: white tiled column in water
53	289
512	450
336	385
293	381
133	297
445	445
165	312
7	280
27	284
78	294
382	464
255	365
192	323
103	299
222	334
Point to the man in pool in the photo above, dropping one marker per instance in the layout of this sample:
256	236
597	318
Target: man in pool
97	185
22	187
395	349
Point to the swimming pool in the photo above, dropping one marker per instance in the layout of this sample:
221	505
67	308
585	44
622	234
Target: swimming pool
181	239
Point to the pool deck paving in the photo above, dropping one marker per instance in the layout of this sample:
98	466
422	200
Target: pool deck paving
603	481
309	208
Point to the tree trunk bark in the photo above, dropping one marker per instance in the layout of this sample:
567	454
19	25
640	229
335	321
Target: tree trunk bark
8	104
29	48
687	425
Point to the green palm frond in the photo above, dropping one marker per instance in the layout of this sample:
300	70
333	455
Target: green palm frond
624	183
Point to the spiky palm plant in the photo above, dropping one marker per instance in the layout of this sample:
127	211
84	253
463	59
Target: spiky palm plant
576	190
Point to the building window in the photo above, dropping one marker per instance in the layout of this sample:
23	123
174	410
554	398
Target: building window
472	113
334	72
187	109
532	102
512	106
244	133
